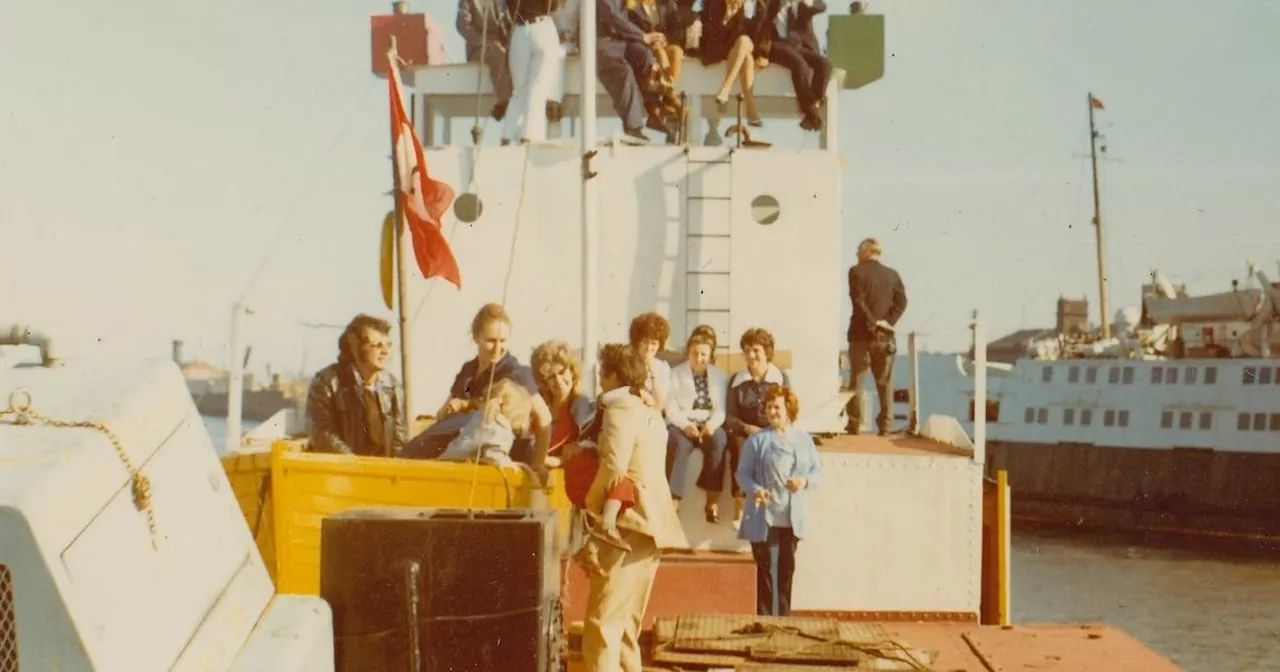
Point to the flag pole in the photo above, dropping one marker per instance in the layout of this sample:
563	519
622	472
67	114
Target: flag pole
402	265
590	196
1097	228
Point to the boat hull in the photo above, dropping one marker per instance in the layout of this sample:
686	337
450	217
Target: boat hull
1214	497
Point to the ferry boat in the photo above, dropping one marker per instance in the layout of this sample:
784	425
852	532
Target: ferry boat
165	559
1177	433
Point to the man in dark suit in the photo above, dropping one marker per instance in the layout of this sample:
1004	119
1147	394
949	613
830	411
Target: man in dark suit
796	48
800	24
485	26
623	58
879	299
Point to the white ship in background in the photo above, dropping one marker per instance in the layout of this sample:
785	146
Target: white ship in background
1171	426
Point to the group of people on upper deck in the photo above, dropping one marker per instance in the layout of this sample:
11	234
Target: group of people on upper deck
640	47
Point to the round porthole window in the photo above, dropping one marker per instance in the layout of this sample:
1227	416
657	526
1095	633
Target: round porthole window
468	207
765	209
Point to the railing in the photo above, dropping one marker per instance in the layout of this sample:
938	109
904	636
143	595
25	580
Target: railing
19	334
914	420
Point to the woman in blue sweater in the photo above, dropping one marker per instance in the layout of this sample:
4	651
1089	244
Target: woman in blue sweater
779	466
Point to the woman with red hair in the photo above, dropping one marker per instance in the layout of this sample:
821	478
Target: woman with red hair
779	466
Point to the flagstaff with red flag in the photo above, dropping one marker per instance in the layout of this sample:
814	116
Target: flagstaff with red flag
420	202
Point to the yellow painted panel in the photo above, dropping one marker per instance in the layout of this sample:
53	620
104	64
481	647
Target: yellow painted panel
247	474
306	487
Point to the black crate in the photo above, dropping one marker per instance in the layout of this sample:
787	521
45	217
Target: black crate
487	589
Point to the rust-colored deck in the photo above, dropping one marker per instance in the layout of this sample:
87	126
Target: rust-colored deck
958	647
894	444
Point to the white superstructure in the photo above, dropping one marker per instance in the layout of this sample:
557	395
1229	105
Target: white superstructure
734	238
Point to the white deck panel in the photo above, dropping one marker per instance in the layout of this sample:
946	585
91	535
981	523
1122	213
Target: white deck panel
90	591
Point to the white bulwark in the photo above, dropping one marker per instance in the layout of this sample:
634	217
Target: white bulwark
84	588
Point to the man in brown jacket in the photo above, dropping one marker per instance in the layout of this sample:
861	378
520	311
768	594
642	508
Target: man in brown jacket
632	444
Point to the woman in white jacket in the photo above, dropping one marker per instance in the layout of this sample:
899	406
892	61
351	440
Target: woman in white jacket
695	411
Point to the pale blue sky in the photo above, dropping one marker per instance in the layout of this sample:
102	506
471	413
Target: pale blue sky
150	152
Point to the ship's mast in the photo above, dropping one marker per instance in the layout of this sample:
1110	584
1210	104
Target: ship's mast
1097	227
590	195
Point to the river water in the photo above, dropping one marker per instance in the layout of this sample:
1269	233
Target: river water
1208	613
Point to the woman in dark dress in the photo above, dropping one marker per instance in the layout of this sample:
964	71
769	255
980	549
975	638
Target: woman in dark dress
725	37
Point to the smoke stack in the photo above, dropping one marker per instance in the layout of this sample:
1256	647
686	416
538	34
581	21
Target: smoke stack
177	353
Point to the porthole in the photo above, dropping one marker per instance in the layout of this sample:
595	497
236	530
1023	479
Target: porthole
468	207
765	209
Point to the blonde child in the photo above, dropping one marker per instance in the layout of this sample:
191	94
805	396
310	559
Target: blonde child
493	429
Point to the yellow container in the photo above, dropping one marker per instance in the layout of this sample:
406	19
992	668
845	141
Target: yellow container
285	494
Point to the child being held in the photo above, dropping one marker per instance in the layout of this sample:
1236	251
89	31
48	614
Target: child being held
492	430
579	472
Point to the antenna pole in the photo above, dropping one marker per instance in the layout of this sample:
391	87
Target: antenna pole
1097	228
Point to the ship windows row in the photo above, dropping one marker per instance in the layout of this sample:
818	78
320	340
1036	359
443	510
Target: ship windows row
1261	375
1110	417
1185	419
1258	422
1166	375
1160	375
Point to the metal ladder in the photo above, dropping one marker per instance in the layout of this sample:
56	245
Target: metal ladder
708	196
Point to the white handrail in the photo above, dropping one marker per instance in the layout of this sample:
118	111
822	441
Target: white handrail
979	390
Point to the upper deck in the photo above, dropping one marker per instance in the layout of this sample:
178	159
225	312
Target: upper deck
452	91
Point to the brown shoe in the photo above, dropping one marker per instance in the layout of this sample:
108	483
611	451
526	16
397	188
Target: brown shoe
611	537
588	558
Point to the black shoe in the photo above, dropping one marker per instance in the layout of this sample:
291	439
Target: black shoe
811	121
499	110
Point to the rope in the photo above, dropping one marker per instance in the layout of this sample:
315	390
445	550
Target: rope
24	415
437	619
315	178
506	286
477	130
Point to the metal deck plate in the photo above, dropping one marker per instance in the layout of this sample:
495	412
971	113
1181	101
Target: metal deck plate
718	640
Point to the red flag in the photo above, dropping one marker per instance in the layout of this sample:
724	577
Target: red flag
1097	104
422	199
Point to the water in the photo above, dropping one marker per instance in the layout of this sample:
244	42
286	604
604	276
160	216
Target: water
217	427
1206	613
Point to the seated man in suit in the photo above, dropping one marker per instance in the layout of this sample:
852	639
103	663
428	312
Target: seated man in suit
625	62
794	46
485	26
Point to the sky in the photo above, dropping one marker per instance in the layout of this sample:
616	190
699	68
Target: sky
155	155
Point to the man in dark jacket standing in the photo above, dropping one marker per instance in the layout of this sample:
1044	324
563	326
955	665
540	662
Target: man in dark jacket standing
879	299
356	406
